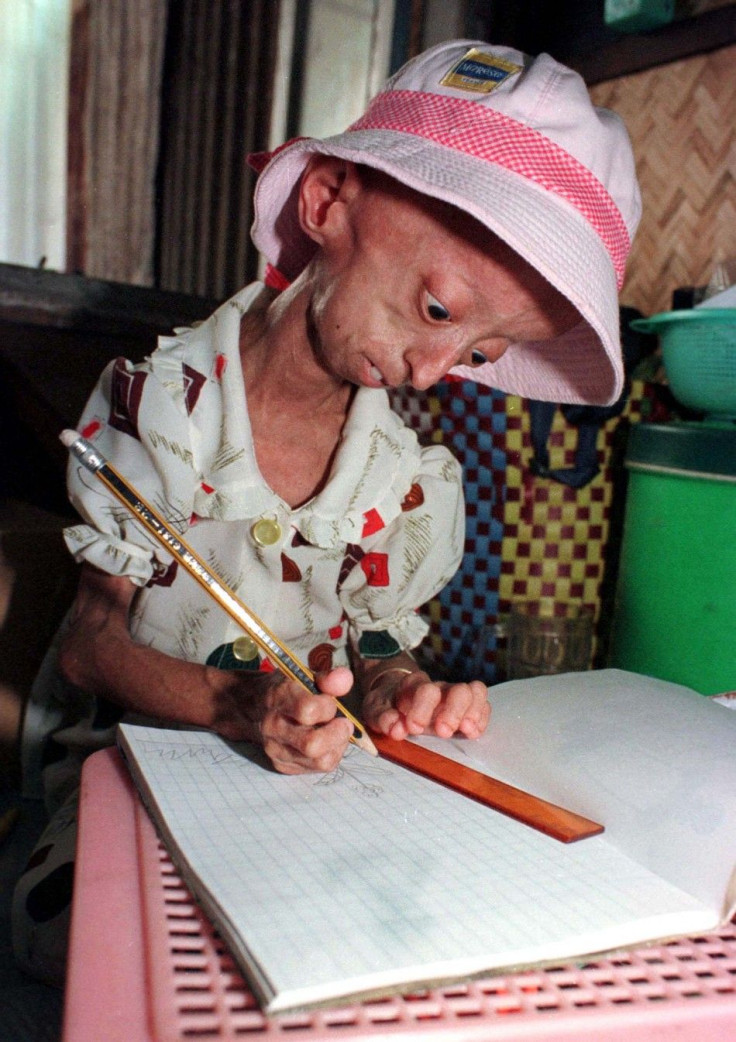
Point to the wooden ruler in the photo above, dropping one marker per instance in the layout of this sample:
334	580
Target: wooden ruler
554	821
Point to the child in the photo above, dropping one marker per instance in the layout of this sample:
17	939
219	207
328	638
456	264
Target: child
476	220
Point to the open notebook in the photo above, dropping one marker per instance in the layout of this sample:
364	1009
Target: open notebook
372	879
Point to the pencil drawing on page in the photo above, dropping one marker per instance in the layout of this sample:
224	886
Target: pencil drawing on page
359	772
356	771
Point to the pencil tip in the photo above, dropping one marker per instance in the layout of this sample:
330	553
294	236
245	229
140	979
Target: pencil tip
364	742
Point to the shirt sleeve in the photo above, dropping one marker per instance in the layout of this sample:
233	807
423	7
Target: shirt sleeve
124	419
402	566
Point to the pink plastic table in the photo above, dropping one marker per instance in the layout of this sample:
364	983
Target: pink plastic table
146	966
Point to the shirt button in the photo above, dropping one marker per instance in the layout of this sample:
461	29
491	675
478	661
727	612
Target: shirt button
245	649
266	531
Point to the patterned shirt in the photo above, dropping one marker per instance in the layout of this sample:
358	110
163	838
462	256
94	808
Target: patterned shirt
352	565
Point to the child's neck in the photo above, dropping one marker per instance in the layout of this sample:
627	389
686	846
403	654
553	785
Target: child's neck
278	360
296	409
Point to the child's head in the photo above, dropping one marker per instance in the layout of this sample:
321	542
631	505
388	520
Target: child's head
403	287
515	143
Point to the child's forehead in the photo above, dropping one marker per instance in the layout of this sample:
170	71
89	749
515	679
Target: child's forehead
451	252
446	247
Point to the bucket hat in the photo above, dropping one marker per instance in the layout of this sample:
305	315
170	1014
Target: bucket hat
515	142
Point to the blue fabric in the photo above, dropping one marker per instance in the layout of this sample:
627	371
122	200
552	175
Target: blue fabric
473	422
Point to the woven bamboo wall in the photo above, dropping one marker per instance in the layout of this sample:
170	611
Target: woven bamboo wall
682	121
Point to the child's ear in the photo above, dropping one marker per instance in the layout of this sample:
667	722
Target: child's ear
327	187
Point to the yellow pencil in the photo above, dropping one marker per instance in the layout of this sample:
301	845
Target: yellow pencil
277	652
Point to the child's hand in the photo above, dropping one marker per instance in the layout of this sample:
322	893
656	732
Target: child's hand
299	731
402	703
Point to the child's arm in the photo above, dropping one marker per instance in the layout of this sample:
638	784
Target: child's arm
399	699
298	731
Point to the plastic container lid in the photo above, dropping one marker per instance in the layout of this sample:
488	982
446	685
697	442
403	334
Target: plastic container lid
686	316
687	449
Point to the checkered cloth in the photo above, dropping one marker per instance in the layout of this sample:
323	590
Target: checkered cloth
470	419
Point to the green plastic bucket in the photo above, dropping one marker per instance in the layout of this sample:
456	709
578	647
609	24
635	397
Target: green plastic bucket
675	608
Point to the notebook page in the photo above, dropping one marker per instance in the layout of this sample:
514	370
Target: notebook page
372	878
652	760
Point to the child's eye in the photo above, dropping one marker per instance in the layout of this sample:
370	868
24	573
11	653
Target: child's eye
477	357
436	310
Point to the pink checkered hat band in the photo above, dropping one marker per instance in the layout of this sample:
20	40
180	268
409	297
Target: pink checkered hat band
492	136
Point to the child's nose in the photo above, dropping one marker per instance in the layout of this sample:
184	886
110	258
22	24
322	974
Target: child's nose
428	364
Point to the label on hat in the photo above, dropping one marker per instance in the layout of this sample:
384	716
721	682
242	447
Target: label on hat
479	72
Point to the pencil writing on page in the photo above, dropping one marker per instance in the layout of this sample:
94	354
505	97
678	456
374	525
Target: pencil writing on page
279	654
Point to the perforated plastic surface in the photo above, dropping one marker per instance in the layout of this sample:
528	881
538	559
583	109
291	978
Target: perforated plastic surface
146	966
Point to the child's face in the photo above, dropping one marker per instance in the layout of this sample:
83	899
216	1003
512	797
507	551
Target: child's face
410	287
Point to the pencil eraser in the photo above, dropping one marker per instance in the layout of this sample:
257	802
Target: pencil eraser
68	438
